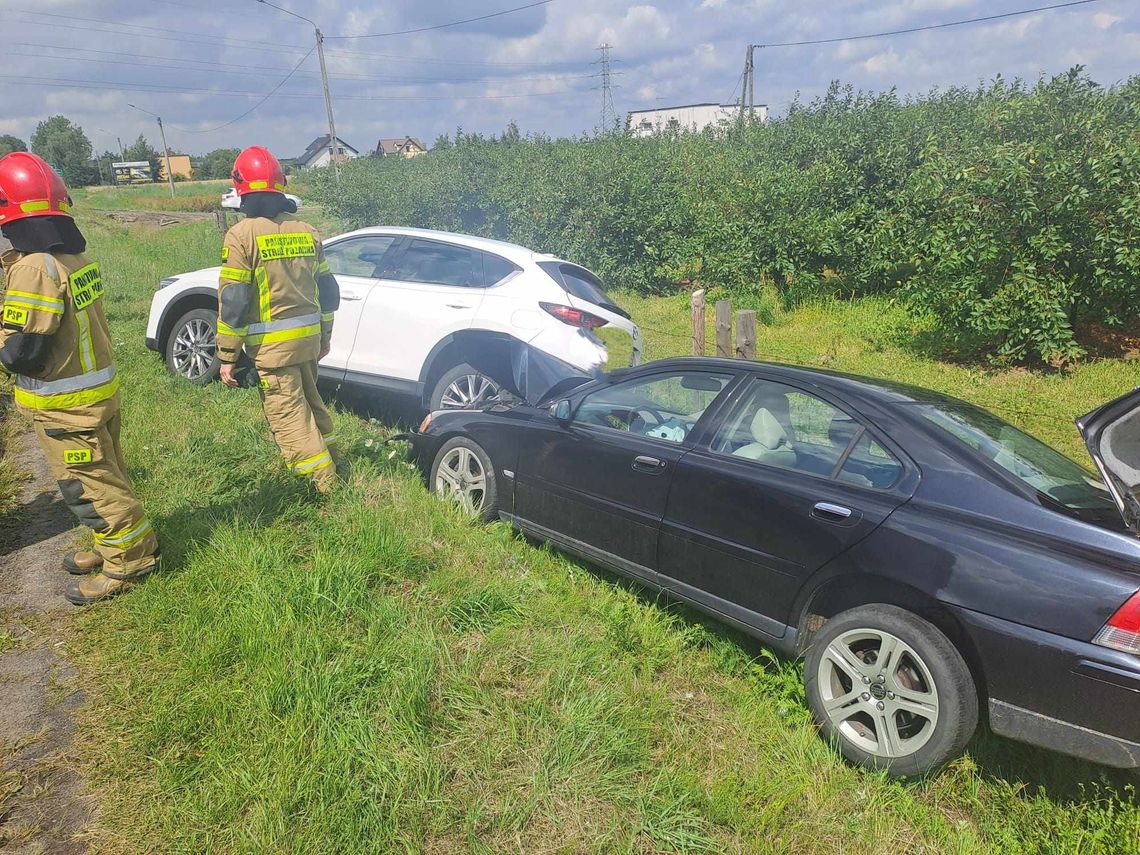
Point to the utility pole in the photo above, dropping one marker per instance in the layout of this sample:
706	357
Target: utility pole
609	114
328	104
165	150
122	157
324	83
166	154
747	92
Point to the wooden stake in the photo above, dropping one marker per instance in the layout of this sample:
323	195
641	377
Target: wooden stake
746	334
698	305
724	328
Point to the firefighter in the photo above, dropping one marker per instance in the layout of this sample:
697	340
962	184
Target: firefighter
54	338
276	299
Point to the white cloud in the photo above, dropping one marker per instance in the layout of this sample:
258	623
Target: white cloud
1104	20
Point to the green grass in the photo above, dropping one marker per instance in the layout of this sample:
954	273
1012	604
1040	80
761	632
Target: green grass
375	673
188	196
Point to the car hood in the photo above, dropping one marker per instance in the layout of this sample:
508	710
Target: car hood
1112	436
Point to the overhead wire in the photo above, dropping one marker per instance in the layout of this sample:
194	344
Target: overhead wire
444	26
906	30
258	71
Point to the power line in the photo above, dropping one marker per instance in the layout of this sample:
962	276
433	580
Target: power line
184	39
104	21
253	71
444	26
927	27
162	89
268	95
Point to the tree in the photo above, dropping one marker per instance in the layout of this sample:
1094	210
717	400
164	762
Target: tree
140	149
66	148
217	163
9	144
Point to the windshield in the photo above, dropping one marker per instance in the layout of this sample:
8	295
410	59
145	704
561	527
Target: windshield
1043	468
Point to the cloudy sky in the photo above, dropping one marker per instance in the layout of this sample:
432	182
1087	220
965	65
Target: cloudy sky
201	64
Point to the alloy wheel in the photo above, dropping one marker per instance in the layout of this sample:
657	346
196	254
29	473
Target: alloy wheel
468	392
194	348
878	693
460	477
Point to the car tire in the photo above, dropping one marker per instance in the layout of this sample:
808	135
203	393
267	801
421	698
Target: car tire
464	387
191	347
462	472
909	718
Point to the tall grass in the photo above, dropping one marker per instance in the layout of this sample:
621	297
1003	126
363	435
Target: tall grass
374	673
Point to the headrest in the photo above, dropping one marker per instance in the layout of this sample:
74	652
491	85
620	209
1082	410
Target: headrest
766	431
841	429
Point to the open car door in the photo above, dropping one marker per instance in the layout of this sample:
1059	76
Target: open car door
1112	435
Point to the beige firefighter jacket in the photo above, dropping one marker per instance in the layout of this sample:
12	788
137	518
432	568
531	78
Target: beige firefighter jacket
276	296
61	295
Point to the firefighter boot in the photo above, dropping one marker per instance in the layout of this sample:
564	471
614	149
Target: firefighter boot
93	589
82	563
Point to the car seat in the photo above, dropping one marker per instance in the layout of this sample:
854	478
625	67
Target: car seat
769	441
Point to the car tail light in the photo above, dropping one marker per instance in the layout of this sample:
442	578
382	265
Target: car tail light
574	317
1122	632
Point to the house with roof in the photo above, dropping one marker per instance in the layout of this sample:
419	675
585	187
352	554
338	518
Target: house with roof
400	147
317	154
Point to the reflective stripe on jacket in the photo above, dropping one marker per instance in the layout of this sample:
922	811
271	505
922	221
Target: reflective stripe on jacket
273	297
60	296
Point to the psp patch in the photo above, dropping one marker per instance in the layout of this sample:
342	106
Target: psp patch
15	316
289	245
75	456
86	286
225	253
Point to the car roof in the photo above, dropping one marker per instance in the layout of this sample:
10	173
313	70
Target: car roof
511	251
870	388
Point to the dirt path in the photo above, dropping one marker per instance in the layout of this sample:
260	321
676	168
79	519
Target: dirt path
42	806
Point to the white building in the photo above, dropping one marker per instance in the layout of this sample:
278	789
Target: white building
688	117
317	154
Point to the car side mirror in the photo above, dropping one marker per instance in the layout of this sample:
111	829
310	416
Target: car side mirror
561	410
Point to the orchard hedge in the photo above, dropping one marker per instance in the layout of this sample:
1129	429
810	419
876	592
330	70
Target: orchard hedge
1008	214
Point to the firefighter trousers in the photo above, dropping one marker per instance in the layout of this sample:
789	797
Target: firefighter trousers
300	423
88	464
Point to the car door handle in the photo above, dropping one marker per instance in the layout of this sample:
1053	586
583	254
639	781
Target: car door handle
350	295
833	513
457	306
644	463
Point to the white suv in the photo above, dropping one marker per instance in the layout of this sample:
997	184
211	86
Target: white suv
445	317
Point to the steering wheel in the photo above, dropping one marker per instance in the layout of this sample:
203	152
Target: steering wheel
657	416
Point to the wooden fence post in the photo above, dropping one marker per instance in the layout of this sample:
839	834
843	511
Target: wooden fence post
221	220
724	328
746	334
698	305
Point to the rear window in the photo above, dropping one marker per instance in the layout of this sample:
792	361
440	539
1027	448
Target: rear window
581	283
1031	461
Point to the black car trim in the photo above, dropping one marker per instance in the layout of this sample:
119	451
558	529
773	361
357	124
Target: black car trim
1107	674
152	344
728	547
388	384
1025	725
614	562
574	495
779	635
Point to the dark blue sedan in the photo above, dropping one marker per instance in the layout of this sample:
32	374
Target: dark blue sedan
930	560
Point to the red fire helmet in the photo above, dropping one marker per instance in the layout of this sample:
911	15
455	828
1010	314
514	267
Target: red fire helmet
29	187
256	170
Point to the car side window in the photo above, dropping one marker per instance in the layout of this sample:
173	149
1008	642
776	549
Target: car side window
662	406
496	269
779	425
435	263
363	256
